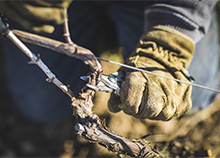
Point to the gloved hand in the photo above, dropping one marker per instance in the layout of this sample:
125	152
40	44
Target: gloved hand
36	15
164	51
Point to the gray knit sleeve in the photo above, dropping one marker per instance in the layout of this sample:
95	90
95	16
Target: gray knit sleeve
191	17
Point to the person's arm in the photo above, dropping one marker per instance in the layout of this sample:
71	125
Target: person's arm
166	48
189	17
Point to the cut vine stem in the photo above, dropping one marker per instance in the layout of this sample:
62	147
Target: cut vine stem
88	125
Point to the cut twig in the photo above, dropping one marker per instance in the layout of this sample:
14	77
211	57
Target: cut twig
72	50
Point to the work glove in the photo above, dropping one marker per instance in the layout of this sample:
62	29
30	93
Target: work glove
164	51
38	15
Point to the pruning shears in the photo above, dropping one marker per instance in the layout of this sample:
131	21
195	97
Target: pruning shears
109	83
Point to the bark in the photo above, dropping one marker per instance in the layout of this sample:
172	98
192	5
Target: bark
88	125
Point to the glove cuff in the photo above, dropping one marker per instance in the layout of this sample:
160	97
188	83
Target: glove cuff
172	40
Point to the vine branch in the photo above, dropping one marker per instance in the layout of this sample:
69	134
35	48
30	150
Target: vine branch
88	125
36	60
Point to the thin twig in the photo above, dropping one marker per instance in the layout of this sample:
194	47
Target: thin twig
66	32
36	60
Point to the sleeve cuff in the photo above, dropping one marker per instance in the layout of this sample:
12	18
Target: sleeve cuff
174	20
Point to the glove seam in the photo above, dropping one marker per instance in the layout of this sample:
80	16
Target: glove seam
176	32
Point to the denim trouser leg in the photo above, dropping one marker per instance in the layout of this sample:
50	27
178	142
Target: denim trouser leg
205	67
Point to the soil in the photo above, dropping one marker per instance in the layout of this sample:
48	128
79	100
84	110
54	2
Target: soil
195	135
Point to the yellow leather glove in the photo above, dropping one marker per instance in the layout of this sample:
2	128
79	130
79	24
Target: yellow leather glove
164	51
38	15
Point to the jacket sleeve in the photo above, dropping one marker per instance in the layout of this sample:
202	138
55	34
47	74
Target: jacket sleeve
191	17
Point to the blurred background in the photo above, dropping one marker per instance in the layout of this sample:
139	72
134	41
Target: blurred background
194	135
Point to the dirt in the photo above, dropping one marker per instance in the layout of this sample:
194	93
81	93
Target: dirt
190	136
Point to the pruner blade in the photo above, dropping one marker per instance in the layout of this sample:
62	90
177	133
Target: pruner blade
109	83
